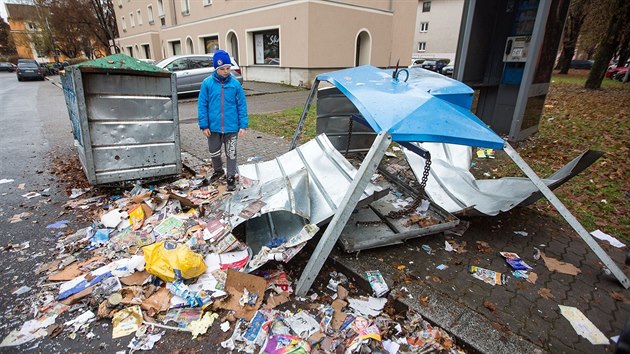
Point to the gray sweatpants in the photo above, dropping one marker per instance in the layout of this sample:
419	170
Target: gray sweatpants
228	140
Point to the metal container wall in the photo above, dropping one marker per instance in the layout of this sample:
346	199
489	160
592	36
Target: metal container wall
125	123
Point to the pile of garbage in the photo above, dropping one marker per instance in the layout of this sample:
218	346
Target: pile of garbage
168	258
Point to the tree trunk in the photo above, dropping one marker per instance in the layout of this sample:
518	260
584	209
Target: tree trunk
576	17
609	43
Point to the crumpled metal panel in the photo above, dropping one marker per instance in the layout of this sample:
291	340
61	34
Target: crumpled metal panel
454	188
315	173
329	174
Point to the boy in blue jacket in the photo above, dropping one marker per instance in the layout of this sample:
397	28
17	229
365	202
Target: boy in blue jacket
222	114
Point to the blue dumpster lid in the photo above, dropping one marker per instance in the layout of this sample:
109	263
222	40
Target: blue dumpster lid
428	107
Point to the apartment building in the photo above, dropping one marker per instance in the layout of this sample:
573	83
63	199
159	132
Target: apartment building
24	20
437	29
283	41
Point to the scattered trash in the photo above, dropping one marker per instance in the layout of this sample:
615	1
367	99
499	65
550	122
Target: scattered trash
441	267
62	224
144	341
370	307
303	324
254	159
555	265
532	277
485	153
488	276
31	195
19	217
201	326
515	261
448	247
284	344
170	260
34	329
21	290
427	249
336	279
375	278
77	192
126	321
583	326
521	233
6	180
605	237
536	254
484	247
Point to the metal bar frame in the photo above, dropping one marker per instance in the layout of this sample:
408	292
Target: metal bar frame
343	213
307	107
566	214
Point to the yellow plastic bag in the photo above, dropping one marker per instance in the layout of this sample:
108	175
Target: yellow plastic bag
170	260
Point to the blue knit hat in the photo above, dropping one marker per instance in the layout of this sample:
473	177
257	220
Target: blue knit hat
220	58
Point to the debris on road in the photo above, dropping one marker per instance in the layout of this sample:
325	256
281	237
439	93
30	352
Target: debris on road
488	276
606	237
555	265
583	326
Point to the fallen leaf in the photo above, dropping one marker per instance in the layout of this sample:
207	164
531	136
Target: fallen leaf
484	247
436	279
617	295
532	277
545	293
489	305
424	301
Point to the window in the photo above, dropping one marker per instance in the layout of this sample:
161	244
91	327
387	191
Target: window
139	18
177	64
176	47
424	26
150	14
123	24
426	6
130	51
422	46
185	7
207	2
211	44
147	51
160	8
267	47
200	62
131	21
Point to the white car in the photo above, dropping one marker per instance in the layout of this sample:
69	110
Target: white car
192	69
448	70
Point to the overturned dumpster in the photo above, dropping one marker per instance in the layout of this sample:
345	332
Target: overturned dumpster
124	119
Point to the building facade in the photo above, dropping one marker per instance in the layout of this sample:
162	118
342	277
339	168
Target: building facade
283	41
24	21
437	29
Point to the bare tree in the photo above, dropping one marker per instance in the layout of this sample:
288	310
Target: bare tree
7	47
106	30
609	43
578	10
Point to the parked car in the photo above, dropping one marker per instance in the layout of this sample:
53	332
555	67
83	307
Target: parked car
434	65
148	61
614	69
619	74
192	69
448	70
581	64
5	66
29	70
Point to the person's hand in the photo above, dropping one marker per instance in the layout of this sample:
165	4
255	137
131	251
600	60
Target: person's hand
206	132
241	132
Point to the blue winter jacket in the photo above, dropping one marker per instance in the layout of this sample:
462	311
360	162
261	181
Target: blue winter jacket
221	105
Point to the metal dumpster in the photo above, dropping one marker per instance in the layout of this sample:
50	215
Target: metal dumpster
124	119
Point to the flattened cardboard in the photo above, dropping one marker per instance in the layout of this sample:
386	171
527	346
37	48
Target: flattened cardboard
158	302
234	285
73	270
137	278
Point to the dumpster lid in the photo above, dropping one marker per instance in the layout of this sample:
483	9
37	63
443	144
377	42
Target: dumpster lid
428	107
123	63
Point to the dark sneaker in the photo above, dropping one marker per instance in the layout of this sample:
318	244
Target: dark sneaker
215	176
231	184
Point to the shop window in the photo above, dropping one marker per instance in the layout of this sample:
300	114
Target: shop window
267	47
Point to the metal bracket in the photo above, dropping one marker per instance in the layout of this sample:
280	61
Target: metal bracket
566	214
343	213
